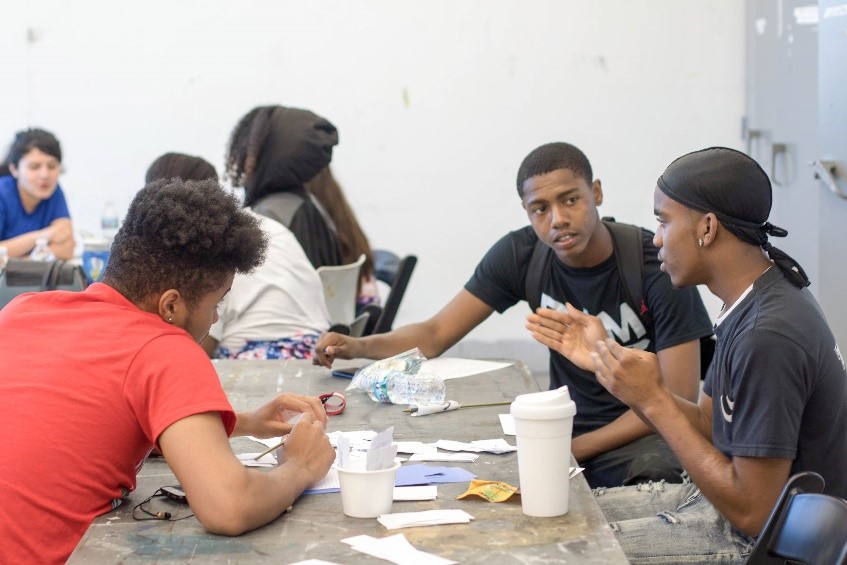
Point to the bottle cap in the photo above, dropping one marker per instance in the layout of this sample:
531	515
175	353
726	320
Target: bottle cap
547	405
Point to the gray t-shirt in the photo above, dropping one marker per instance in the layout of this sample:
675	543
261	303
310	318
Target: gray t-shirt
778	383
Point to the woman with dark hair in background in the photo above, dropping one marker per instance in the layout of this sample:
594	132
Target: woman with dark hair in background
275	312
32	204
351	237
273	152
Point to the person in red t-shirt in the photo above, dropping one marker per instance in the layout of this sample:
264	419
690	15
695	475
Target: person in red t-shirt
91	381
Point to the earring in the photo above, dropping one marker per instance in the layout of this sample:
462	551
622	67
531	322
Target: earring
171	319
700	242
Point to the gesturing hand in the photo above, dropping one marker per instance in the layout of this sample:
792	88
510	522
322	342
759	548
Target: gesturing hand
572	333
632	375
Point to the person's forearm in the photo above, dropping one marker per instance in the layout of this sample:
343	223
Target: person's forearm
21	245
257	499
627	428
689	410
244	424
708	468
402	339
63	250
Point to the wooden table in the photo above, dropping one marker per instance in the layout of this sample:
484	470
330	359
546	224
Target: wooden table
500	533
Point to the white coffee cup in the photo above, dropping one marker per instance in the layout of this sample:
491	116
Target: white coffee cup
367	494
543	427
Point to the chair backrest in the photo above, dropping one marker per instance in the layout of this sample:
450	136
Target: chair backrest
340	286
813	530
395	272
804	526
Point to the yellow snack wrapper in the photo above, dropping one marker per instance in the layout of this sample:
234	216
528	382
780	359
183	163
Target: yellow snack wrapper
492	491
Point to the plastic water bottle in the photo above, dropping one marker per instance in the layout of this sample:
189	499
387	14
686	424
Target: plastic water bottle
41	252
401	388
109	221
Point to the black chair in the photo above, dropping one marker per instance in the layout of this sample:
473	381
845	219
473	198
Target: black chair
804	526
395	272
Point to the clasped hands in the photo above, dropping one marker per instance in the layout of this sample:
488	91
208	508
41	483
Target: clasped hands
631	375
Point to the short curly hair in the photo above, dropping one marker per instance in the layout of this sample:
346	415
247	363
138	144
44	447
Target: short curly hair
552	157
187	235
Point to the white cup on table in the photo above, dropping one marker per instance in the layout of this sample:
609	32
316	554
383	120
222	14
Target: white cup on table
543	427
367	494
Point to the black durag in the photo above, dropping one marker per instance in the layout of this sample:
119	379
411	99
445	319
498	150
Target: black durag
738	192
298	146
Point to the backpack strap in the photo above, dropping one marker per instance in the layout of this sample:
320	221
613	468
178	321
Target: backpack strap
538	263
628	244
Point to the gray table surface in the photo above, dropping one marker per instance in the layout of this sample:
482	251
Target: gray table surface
500	533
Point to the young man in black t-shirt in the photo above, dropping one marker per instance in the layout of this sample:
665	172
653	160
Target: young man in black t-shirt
775	396
558	191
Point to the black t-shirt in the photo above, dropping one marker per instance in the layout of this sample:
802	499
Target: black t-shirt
678	314
778	383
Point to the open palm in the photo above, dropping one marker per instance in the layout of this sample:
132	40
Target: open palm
572	333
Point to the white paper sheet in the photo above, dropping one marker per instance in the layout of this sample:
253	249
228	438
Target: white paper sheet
497	445
422	492
249	459
424	518
360	440
454	367
415	447
507	422
396	549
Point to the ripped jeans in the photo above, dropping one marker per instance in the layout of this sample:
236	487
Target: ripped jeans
671	523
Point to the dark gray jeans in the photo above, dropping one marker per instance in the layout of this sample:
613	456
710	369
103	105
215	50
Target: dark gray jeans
644	460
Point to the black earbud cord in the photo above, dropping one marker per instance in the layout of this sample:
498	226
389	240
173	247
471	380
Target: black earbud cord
164	516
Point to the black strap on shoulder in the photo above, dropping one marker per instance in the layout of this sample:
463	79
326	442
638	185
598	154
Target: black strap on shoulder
538	264
628	244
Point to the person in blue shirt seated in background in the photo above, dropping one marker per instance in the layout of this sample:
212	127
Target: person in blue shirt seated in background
32	204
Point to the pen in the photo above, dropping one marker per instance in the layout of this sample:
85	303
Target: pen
277	446
414	409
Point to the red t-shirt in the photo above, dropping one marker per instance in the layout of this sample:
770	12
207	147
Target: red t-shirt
88	382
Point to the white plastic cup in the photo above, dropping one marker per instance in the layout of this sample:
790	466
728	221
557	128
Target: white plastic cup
367	494
543	427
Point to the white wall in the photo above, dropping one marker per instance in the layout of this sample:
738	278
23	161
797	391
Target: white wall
437	102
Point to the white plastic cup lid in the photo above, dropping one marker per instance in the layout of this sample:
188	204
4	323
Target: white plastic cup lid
547	405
